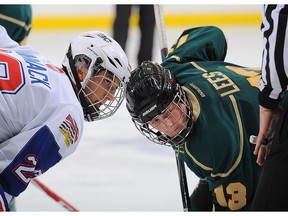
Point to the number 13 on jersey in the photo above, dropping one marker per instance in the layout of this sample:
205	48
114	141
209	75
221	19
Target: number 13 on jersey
237	196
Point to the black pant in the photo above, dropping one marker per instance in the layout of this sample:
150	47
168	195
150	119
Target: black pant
201	199
272	190
146	24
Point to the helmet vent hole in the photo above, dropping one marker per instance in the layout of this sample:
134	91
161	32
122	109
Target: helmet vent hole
110	60
116	59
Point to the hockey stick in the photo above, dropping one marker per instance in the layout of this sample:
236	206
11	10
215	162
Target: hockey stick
159	19
53	195
160	26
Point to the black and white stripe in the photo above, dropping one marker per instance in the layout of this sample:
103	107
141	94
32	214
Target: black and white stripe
275	52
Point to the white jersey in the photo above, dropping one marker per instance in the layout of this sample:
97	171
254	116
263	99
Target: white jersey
40	116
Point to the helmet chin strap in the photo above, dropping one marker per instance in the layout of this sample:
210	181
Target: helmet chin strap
86	109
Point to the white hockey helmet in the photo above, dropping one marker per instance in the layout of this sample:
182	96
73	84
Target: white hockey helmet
97	51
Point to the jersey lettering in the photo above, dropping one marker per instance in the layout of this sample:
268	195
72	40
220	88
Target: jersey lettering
38	77
222	83
36	70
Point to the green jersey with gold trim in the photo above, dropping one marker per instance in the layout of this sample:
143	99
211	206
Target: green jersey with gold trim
17	20
224	97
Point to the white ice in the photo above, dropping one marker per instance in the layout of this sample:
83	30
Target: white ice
115	168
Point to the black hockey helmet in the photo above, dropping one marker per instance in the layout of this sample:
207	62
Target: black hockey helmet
149	91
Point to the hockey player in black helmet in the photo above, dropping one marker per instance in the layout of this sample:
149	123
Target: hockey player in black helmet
206	109
151	91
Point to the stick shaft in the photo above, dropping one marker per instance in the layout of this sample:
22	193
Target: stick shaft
183	183
53	195
159	19
160	26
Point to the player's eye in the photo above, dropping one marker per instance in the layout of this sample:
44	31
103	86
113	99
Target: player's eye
107	82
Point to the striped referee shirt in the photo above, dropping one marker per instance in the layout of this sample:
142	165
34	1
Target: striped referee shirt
275	55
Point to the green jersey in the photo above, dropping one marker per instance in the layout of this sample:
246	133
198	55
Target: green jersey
17	20
224	97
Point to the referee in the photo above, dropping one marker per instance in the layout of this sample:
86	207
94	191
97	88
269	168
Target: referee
272	191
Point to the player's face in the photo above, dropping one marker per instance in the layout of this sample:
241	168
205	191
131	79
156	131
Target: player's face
172	121
101	88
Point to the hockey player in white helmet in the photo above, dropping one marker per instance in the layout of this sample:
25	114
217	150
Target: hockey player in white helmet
42	107
97	67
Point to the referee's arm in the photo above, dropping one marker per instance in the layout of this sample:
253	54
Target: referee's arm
275	53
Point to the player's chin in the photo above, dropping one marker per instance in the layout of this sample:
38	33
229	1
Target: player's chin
176	131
